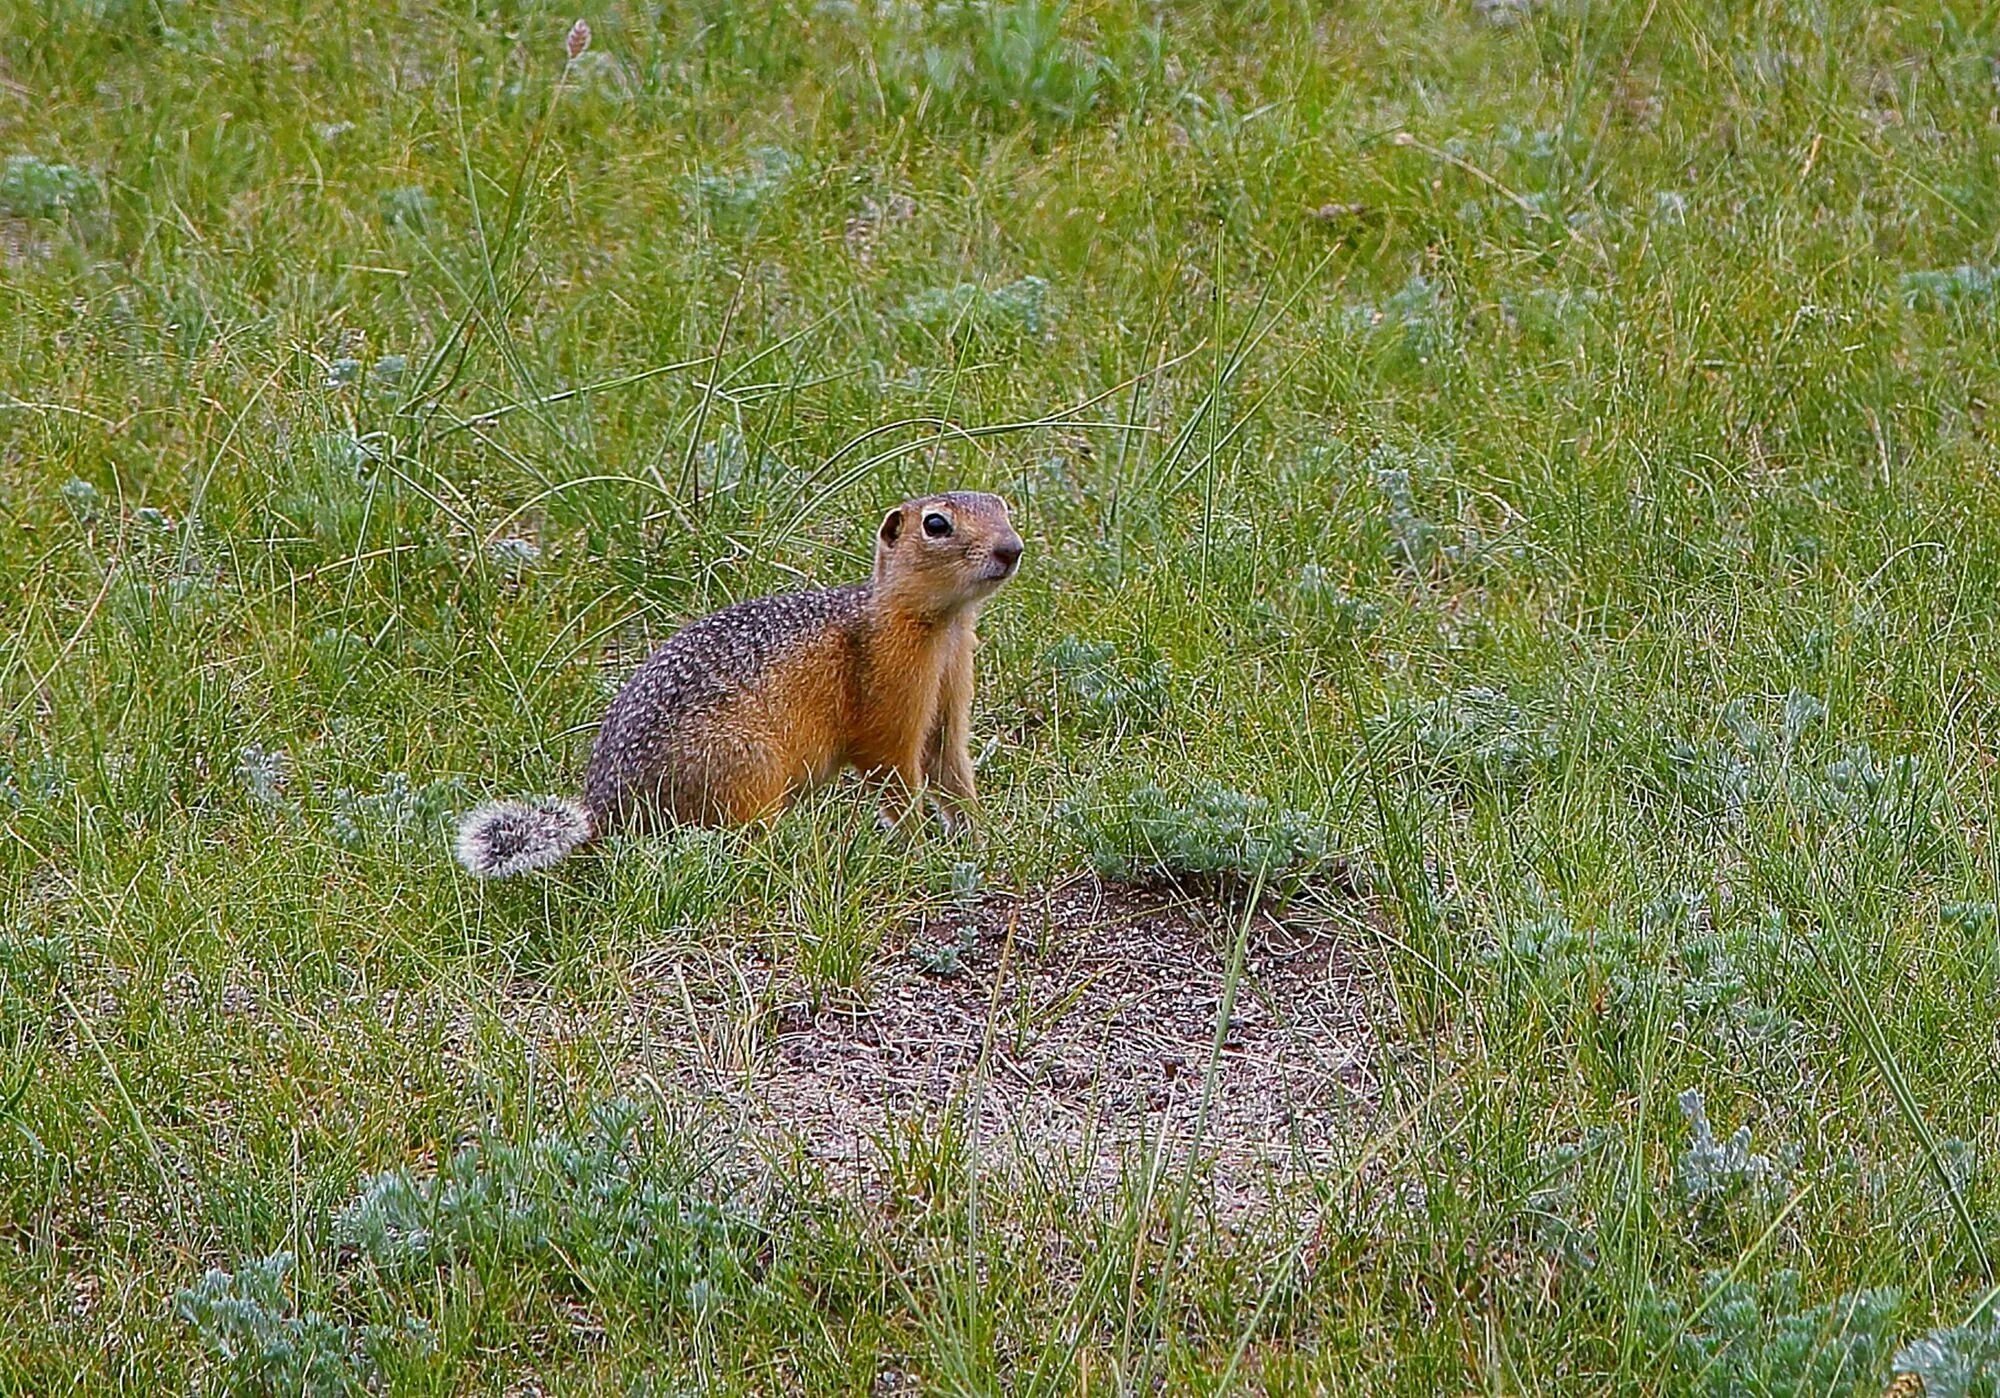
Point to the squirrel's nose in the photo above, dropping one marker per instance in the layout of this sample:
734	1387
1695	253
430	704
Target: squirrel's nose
1008	551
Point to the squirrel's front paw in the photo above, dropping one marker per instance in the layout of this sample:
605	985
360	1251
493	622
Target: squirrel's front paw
956	820
894	817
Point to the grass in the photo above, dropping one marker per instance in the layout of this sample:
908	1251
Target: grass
1545	448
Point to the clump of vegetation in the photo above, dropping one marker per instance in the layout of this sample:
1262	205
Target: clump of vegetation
1208	832
263	1344
1716	1171
82	499
1957	1361
1415	320
332	493
1849	784
31	777
600	1207
1973	915
946	959
385	375
1717	975
1315	609
34	968
31	187
751	186
394	813
1479	737
1413	540
514	555
264	774
1759	1337
1020	306
968	882
1936	290
1005	62
409	206
1320	597
1103	685
1551	316
1419	543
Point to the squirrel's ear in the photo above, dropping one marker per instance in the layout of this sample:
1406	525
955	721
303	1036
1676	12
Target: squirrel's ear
892	525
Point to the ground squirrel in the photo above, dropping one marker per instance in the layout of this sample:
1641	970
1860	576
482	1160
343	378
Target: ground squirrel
742	709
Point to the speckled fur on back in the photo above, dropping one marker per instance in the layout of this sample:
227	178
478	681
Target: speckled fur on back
691	731
741	710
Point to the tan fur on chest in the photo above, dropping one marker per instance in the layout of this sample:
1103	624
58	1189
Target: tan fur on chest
897	691
870	699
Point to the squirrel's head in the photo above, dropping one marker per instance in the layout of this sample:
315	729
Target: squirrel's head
941	553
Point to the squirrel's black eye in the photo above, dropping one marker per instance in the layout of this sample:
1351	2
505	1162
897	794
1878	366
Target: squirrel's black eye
937	526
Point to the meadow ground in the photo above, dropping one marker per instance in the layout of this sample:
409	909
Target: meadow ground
1491	880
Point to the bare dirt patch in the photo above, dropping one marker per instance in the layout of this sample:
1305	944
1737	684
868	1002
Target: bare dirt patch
1072	1031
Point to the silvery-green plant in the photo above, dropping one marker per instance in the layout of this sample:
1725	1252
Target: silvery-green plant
514	555
408	206
1004	62
33	779
1856	790
385	375
264	774
1974	915
31	187
1718	1171
397	810
947	959
1802	712
263	1344
82	500
1760	1337
596	74
1020	306
729	461
1556	1217
600	1204
1552	316
1479	736
1718	977
1956	1361
1209	831
1863	789
1101	686
1413	540
1936	290
1416	319
967	882
747	188
331	493
1319	598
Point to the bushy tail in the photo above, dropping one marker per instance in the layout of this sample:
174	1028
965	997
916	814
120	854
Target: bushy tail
505	838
